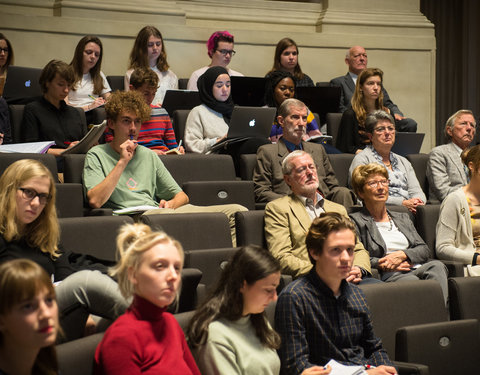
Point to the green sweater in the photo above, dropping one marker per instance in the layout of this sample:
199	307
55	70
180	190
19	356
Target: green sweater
234	348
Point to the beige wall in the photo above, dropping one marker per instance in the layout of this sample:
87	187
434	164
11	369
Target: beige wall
398	38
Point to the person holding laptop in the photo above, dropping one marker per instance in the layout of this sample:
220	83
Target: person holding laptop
208	123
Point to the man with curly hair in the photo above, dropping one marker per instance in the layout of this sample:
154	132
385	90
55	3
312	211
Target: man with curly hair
122	174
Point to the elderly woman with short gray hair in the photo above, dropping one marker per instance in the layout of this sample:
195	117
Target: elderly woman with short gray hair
403	183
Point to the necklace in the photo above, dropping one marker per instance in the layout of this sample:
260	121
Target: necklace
390	221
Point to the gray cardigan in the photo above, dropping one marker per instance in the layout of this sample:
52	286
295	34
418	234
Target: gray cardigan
414	190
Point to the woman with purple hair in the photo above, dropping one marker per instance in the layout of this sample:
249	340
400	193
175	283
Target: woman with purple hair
220	50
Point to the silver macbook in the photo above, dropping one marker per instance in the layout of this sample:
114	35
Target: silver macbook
248	122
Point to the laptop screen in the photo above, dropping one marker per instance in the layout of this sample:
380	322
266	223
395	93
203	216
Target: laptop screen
21	85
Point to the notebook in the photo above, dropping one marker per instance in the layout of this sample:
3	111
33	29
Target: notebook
180	99
407	143
248	122
248	91
21	85
320	100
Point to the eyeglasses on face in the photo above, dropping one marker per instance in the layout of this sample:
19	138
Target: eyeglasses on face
3	50
30	194
226	52
375	184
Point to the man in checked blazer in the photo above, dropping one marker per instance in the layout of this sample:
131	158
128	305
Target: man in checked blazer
445	169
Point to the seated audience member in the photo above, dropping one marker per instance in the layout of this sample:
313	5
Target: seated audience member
229	332
320	316
445	170
29	229
287	219
6	59
286	59
115	174
280	86
207	124
28	319
268	176
458	230
90	88
404	188
352	137
149	52
5	129
220	50
146	339
395	247
357	60
49	118
157	132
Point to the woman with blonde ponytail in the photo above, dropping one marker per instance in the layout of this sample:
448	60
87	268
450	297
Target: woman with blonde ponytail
146	336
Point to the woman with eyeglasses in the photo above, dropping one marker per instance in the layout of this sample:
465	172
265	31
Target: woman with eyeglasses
220	50
149	52
404	188
367	97
6	59
29	229
28	320
395	247
90	88
286	59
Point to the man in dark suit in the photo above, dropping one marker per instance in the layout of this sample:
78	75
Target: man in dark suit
268	176
357	60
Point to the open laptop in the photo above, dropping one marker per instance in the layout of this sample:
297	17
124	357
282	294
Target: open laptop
248	122
180	99
248	91
21	85
407	143
320	100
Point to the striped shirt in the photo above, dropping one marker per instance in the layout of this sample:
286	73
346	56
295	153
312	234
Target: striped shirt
155	133
315	326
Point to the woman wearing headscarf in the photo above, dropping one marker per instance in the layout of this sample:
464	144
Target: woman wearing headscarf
207	124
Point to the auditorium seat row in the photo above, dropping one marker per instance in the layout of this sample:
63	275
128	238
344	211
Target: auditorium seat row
410	318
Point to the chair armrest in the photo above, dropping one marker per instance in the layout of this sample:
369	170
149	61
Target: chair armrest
97	212
405	368
455	269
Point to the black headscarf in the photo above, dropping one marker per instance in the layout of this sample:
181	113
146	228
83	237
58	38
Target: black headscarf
271	81
205	89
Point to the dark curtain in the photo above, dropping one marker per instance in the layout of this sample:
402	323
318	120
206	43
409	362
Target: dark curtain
457	31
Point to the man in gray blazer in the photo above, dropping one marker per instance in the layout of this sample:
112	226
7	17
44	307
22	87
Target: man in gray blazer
357	60
445	169
268	176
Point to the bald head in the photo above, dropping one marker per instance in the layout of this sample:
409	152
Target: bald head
356	59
